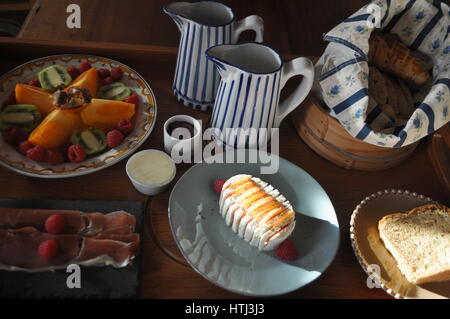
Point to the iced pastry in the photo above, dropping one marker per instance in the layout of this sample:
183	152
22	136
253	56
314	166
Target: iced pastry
256	211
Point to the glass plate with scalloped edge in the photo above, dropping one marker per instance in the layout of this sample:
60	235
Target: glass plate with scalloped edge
144	118
373	255
222	257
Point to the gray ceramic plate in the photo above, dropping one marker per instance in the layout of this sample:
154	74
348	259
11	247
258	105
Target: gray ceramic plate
226	260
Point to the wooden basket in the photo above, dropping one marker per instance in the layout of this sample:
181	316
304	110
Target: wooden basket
327	137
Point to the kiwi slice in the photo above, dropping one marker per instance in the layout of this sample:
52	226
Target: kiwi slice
114	91
92	140
54	77
24	116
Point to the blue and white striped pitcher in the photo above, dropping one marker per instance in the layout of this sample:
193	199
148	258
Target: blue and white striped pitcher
247	105
202	25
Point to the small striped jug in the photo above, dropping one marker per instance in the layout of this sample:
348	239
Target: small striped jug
247	104
202	25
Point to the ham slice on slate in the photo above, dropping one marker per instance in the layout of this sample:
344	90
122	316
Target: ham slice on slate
88	239
119	222
20	248
18	218
116	250
75	222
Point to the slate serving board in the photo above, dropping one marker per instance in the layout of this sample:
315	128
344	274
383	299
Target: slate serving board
96	282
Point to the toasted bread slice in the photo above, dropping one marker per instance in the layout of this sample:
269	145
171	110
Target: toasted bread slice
407	105
419	240
389	54
378	86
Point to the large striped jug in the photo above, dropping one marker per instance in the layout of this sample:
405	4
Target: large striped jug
248	105
202	25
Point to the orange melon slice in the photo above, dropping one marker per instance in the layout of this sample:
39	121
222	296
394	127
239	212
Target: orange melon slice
27	94
105	114
56	129
88	80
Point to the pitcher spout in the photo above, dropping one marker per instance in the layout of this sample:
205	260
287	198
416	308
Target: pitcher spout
175	11
250	57
217	55
208	13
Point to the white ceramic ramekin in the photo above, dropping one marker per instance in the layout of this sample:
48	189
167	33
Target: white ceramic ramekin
192	143
150	189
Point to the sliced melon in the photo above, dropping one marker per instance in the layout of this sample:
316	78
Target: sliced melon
27	94
105	114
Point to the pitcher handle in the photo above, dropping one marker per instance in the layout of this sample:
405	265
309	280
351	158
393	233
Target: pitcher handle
253	22
299	66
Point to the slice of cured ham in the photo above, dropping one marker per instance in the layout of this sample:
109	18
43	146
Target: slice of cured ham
19	250
116	250
75	222
119	222
89	239
18	218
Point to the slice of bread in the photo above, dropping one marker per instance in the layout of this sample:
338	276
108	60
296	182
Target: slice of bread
419	240
378	86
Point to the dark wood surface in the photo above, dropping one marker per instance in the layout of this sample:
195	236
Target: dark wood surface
163	274
291	26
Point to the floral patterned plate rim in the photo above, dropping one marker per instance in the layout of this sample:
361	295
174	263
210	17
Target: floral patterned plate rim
144	118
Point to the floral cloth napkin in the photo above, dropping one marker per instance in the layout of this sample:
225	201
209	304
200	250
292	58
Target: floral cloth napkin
343	70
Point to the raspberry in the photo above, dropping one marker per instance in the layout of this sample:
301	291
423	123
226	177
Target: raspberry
106	81
218	185
37	153
84	66
73	71
116	73
76	153
104	73
125	126
54	157
48	249
114	138
54	224
287	250
25	146
10	134
133	99
35	82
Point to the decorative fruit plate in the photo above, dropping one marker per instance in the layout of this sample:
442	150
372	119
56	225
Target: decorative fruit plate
143	119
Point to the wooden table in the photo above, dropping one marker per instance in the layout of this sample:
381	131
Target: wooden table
163	273
290	26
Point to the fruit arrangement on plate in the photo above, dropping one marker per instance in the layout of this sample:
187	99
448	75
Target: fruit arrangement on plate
70	115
